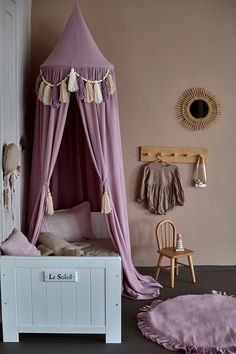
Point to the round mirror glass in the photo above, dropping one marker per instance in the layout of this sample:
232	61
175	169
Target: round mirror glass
199	109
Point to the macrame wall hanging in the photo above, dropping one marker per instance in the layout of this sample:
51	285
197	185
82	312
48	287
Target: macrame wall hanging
89	90
11	169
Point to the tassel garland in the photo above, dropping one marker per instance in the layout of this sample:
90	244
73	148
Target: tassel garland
106	204
97	93
72	84
64	98
49	210
89	92
110	84
47	95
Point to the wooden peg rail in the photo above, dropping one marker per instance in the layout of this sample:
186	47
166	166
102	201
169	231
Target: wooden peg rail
172	154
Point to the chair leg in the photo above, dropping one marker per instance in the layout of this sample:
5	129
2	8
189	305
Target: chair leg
158	266
172	272
190	261
176	267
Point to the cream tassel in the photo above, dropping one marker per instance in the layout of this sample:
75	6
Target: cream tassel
64	98
97	93
41	91
72	84
106	204
89	92
49	204
110	84
47	95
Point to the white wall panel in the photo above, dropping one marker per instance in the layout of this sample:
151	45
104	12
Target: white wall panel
15	19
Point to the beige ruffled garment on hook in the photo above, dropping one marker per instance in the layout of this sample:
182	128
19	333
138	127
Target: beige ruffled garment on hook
161	187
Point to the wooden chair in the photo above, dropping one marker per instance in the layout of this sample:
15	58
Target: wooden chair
166	242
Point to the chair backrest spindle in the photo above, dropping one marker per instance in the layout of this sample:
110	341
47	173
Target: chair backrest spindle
166	234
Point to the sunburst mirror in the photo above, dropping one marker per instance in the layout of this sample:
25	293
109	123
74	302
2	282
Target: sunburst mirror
198	108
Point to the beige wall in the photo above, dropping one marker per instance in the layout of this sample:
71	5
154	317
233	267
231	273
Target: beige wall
159	49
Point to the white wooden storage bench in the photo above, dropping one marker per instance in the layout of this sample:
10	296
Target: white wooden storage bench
61	295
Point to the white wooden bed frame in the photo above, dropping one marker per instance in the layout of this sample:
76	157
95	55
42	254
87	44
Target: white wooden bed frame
92	304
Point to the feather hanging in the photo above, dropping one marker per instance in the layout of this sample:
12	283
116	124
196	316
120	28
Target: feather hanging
6	197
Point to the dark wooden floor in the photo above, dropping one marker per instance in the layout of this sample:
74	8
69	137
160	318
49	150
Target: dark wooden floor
208	279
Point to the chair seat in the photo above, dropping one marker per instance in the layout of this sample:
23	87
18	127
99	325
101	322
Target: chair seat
170	252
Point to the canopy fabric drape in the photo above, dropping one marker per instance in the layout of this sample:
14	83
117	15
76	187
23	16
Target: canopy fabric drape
49	127
76	65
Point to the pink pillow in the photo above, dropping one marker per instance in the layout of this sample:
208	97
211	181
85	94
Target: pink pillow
69	224
17	244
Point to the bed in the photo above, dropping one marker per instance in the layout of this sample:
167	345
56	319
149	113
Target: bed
62	294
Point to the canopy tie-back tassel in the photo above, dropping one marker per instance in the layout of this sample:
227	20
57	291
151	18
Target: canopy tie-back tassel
97	93
49	204
41	91
63	98
106	203
110	84
47	95
72	84
89	92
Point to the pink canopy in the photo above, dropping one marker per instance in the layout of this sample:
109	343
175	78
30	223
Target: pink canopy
77	146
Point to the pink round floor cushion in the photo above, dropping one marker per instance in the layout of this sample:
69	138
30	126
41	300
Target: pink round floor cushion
201	324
